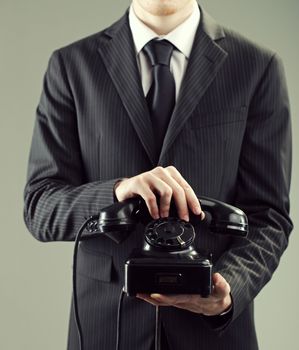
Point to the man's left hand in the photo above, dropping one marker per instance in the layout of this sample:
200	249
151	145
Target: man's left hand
218	302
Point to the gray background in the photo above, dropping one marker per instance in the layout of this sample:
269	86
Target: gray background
35	278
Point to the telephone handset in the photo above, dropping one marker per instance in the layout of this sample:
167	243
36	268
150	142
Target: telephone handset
168	263
119	219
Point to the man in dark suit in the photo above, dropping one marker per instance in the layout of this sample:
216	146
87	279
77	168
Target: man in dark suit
112	124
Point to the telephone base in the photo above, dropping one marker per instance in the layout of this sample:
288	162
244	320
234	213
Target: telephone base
168	275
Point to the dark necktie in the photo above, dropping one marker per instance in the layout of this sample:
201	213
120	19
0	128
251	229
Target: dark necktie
161	96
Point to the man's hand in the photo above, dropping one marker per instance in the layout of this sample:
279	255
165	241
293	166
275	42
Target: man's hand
167	183
218	302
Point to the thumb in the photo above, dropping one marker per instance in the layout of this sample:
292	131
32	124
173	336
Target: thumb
221	287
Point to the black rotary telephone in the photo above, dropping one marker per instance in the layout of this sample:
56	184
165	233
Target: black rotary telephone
168	263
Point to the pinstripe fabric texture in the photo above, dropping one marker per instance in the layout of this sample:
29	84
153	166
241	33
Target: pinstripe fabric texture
229	136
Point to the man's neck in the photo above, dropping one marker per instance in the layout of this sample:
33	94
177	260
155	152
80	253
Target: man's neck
163	24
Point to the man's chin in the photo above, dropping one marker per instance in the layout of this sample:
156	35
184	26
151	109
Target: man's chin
163	11
160	8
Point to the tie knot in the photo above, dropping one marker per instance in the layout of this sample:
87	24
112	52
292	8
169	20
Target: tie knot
159	52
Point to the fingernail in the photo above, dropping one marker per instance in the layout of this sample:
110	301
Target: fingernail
156	216
197	210
186	217
155	296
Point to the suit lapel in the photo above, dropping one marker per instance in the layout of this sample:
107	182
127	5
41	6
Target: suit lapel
118	54
205	60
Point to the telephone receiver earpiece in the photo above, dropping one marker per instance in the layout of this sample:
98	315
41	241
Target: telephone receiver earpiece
225	218
119	219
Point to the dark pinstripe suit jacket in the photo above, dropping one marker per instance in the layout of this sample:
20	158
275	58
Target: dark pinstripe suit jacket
230	138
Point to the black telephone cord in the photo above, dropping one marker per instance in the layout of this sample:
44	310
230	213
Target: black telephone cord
75	300
75	296
118	333
158	329
120	300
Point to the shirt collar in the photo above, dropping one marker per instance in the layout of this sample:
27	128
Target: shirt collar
142	34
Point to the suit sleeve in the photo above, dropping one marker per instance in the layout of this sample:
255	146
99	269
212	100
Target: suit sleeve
262	190
57	197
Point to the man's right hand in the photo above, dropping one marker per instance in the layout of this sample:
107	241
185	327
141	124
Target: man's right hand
167	183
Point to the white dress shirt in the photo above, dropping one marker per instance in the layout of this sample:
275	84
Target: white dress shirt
181	37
